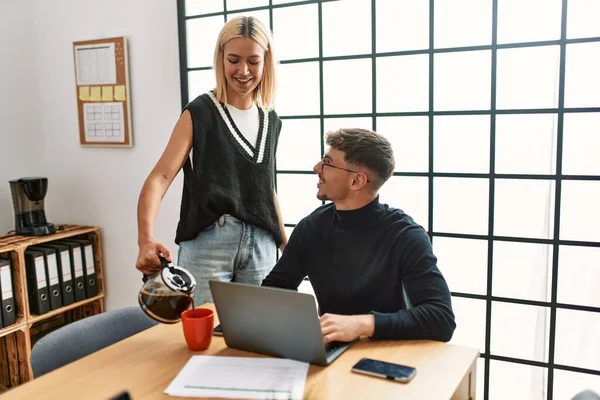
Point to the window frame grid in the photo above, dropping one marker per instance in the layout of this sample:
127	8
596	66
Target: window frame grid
491	201
553	305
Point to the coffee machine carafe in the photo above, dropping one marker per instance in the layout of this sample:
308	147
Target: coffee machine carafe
28	199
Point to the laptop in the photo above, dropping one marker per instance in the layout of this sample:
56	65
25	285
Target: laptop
278	322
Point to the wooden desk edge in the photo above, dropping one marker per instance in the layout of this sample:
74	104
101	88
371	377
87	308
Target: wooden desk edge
468	386
465	389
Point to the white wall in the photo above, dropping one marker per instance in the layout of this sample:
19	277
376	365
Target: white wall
95	186
20	137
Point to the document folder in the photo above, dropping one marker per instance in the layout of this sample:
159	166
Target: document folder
76	268
37	286
89	266
9	314
51	276
63	262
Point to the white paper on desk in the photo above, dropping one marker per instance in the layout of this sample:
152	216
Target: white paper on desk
240	378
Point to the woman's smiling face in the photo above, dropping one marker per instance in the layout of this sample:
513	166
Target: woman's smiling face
244	64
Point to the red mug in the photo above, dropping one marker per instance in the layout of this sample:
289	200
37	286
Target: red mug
197	328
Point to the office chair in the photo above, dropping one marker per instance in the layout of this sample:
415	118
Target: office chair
86	336
586	395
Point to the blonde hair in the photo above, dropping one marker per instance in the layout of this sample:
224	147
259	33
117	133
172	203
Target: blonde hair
247	27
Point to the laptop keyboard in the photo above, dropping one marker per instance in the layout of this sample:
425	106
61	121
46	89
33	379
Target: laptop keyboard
331	347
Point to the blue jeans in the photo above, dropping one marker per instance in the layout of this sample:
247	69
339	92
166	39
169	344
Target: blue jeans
228	250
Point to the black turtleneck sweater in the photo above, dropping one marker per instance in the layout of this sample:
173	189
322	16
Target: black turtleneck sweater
376	260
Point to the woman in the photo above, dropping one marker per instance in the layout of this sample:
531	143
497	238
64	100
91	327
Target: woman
230	222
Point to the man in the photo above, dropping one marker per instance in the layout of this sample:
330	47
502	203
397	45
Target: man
371	266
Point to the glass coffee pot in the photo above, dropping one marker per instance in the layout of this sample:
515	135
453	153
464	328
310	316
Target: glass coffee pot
167	293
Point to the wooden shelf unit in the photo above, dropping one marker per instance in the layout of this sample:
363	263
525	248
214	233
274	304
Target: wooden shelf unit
16	339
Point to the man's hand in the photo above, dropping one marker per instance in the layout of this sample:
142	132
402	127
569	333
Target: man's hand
345	328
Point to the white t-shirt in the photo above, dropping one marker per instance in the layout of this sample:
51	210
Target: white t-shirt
247	121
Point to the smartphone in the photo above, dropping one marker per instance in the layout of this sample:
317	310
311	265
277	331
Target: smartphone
218	331
382	369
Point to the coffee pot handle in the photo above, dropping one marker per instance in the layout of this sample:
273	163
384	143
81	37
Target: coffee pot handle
163	264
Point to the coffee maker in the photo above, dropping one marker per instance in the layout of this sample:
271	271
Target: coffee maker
28	199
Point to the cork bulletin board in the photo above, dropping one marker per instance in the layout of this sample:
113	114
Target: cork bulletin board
102	80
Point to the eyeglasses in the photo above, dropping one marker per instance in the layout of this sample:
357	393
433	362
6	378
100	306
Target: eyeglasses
324	163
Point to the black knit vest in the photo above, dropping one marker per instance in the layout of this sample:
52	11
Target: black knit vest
227	175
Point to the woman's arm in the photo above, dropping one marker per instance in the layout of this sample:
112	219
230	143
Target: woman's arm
154	189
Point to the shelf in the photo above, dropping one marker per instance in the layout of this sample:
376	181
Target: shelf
36	318
18	326
9	247
3	389
16	339
11	241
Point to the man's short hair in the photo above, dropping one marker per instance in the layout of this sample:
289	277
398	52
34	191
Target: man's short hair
367	149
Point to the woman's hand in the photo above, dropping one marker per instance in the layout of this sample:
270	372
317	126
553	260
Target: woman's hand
147	261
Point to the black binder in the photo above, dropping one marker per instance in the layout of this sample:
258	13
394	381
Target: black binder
37	287
76	268
89	265
8	315
63	262
51	276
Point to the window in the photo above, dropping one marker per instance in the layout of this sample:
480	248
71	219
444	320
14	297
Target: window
493	109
